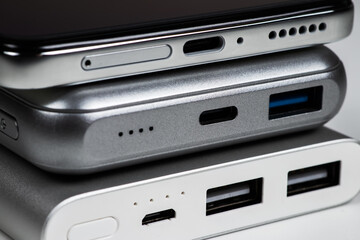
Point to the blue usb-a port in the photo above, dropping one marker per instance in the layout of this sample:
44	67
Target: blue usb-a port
295	102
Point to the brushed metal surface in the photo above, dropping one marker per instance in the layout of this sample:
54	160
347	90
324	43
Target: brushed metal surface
178	83
87	129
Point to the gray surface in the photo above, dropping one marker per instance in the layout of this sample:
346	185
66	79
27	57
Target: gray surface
187	82
68	134
348	50
3	236
28	194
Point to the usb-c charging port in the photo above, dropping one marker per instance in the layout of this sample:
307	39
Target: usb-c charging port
218	115
204	45
158	216
295	102
234	196
313	178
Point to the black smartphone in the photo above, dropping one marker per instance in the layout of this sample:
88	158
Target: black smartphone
50	43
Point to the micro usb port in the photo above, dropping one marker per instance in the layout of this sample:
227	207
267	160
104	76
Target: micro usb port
158	216
234	196
313	178
295	102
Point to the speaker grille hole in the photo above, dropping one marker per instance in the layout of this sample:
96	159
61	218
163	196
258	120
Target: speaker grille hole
282	33
240	40
272	35
322	26
302	30
312	28
292	31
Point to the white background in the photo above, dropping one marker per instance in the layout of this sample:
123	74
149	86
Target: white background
348	120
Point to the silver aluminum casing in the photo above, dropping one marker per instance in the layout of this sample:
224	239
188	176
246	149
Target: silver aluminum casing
143	54
36	205
88	128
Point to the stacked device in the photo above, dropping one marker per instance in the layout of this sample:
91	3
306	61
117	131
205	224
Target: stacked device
167	123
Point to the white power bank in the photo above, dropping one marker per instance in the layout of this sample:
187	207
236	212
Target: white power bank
190	197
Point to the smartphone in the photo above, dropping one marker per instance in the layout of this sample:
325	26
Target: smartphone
55	43
250	183
92	127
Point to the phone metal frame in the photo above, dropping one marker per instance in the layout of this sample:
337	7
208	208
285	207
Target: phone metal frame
67	66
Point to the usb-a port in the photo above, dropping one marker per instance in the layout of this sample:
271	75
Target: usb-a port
234	196
295	102
313	178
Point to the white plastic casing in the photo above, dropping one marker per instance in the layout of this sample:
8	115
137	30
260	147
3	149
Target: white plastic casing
185	192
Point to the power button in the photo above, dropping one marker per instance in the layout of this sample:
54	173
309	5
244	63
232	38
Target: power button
97	229
8	125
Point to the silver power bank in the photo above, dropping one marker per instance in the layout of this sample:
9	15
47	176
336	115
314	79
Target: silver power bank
196	196
87	128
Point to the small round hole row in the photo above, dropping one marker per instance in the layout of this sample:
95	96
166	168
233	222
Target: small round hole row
293	31
152	200
132	132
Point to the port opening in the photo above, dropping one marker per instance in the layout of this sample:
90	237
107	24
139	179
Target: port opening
295	102
203	45
158	216
238	195
313	178
218	115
